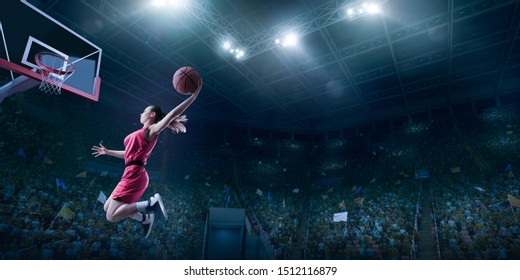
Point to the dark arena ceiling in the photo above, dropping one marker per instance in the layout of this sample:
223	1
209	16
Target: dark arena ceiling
416	57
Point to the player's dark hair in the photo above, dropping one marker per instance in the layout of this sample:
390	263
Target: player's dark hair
159	115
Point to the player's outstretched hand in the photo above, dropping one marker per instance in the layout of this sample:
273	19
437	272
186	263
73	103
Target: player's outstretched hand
99	150
199	88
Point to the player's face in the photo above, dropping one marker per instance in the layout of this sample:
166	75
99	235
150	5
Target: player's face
146	114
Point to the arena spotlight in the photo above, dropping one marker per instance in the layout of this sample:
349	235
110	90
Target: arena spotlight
372	8
356	11
226	45
290	40
173	3
239	53
229	47
158	3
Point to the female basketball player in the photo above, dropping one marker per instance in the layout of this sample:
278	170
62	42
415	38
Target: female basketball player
123	202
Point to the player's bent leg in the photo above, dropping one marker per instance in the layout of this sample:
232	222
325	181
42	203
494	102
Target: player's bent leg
107	204
118	210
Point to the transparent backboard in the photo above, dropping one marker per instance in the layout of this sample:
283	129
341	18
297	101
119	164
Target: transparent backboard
26	31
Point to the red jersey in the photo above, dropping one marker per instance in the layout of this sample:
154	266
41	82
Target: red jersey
135	178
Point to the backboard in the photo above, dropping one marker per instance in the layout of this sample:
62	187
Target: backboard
25	31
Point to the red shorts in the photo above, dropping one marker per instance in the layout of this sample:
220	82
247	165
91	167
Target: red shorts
132	185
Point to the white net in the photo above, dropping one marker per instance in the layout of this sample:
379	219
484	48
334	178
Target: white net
54	70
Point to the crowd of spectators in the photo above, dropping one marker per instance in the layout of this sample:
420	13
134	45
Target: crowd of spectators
290	189
475	219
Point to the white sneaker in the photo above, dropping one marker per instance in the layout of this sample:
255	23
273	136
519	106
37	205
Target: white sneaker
158	207
148	224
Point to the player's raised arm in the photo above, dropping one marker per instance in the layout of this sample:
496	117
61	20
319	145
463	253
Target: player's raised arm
174	113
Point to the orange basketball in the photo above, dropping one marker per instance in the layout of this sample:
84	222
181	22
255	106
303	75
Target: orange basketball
186	80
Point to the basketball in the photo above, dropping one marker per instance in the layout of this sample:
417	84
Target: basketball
186	80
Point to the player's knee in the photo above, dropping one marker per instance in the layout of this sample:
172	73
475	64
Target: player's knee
107	203
110	218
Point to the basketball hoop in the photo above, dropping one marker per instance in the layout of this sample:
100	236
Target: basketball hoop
54	70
